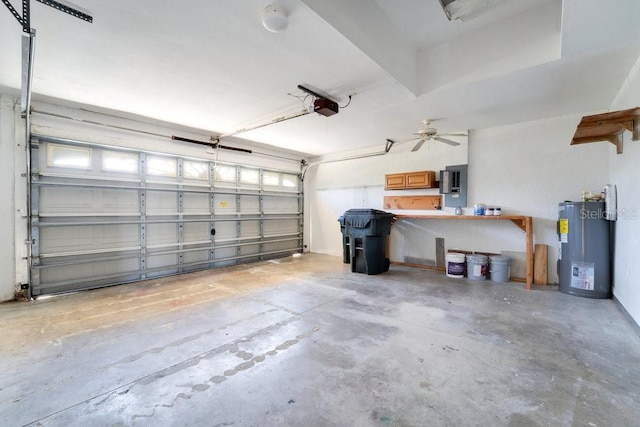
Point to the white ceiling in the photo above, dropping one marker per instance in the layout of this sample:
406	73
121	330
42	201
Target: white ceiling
424	23
212	66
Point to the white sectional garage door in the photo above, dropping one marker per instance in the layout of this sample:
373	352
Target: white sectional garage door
103	215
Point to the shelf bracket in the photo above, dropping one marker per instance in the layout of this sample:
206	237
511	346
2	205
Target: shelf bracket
520	222
608	127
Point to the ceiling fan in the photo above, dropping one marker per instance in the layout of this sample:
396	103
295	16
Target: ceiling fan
428	133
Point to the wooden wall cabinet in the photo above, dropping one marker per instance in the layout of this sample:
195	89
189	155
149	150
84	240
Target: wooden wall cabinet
410	180
395	181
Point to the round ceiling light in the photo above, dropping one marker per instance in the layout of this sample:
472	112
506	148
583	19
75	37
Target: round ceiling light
274	19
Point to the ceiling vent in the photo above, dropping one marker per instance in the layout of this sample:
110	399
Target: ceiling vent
464	10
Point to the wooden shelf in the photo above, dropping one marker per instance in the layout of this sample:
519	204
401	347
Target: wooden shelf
608	127
430	203
525	223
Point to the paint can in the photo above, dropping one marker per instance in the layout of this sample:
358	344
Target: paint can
455	265
478	209
500	268
477	267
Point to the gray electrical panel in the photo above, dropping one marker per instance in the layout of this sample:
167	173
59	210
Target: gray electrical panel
584	249
453	184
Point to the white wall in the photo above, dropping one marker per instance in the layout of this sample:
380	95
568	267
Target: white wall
590	26
7	195
625	174
332	188
527	169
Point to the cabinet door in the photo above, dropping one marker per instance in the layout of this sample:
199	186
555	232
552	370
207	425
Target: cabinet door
394	181
422	179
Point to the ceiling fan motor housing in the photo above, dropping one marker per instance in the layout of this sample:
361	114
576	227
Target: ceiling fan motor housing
428	132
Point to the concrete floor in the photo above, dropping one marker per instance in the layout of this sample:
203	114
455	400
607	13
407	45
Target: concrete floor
303	341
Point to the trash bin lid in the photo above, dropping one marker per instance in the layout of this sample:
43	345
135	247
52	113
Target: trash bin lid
371	221
368	212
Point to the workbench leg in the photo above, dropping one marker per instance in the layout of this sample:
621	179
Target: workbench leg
528	222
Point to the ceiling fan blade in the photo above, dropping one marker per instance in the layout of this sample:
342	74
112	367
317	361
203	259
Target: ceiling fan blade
418	145
452	134
403	141
447	141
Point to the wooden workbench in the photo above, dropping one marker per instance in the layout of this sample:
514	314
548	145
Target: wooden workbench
525	223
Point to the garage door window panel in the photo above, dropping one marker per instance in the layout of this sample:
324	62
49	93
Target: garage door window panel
197	171
162	166
120	161
68	157
225	174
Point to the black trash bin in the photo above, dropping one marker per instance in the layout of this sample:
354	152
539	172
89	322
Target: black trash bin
346	258
363	239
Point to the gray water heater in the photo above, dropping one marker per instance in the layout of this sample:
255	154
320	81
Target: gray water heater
584	249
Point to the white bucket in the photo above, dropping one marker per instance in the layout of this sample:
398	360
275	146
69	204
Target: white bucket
455	265
477	267
500	268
